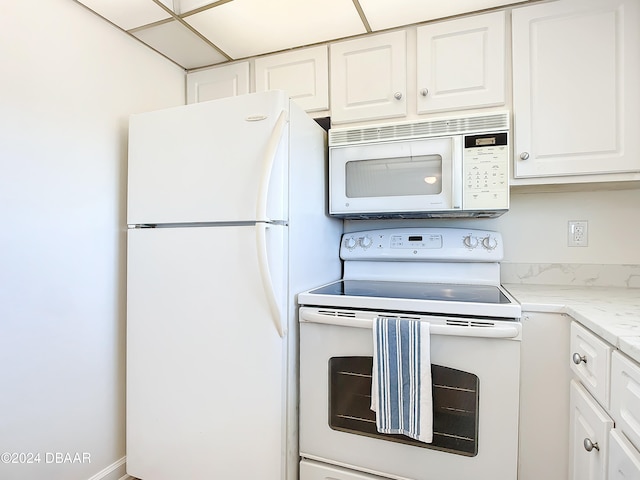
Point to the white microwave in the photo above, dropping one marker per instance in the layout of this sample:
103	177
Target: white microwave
453	167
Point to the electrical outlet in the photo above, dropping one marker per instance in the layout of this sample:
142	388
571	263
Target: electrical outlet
578	233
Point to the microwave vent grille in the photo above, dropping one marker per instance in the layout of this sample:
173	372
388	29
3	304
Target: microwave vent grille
415	130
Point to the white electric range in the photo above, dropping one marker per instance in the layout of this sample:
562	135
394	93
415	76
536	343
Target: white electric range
449	277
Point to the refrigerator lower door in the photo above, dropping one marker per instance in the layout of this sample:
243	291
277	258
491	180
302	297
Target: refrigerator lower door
206	368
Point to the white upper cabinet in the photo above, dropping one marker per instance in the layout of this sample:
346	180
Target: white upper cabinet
303	74
576	99
218	82
369	78
461	63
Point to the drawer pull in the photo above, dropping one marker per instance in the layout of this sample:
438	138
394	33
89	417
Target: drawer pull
578	359
589	445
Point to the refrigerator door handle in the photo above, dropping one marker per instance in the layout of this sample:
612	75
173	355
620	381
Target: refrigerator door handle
267	166
265	274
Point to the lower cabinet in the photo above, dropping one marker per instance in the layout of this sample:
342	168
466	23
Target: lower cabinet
589	427
624	459
625	397
604	431
624	455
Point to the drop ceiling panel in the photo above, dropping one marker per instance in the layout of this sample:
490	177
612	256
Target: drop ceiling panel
184	6
244	28
247	28
128	14
385	14
180	44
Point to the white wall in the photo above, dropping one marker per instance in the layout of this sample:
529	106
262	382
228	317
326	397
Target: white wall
535	228
68	82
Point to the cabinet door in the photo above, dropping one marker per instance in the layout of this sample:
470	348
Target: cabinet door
575	87
460	63
625	396
368	78
624	459
589	427
303	74
219	82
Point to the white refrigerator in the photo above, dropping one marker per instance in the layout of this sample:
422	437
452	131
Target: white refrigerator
227	222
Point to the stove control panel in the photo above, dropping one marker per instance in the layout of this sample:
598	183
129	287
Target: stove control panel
423	244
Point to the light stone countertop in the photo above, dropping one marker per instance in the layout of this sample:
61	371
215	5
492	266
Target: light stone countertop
612	313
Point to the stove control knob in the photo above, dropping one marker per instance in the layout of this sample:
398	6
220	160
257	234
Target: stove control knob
489	242
365	242
350	243
470	241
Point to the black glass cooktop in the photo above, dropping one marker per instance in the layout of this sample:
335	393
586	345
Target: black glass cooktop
415	290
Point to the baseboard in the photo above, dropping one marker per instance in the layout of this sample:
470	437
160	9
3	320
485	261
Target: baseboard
115	471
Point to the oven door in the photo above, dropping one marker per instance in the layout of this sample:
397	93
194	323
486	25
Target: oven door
404	176
475	376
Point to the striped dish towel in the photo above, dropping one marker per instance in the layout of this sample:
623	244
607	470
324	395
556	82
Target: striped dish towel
401	378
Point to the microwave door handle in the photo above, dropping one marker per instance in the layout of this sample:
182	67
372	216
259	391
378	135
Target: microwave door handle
457	169
268	160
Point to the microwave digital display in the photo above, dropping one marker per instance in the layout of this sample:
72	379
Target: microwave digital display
496	139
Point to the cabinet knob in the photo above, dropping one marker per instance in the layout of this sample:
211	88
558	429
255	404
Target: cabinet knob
589	445
578	359
397	95
524	155
424	92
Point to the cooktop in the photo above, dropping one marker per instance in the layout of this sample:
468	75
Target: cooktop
415	290
450	271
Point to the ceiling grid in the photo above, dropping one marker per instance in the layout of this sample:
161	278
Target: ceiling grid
201	33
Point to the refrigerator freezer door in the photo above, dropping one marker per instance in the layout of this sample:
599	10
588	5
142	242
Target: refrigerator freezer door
206	368
207	162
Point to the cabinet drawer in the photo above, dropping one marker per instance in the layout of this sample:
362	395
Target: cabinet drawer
625	396
310	470
624	459
590	362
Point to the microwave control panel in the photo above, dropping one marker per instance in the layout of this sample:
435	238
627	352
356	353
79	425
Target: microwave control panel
486	171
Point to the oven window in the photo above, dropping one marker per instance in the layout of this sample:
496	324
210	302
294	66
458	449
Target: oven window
455	405
389	177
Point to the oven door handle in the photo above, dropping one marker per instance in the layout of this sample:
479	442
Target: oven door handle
451	330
